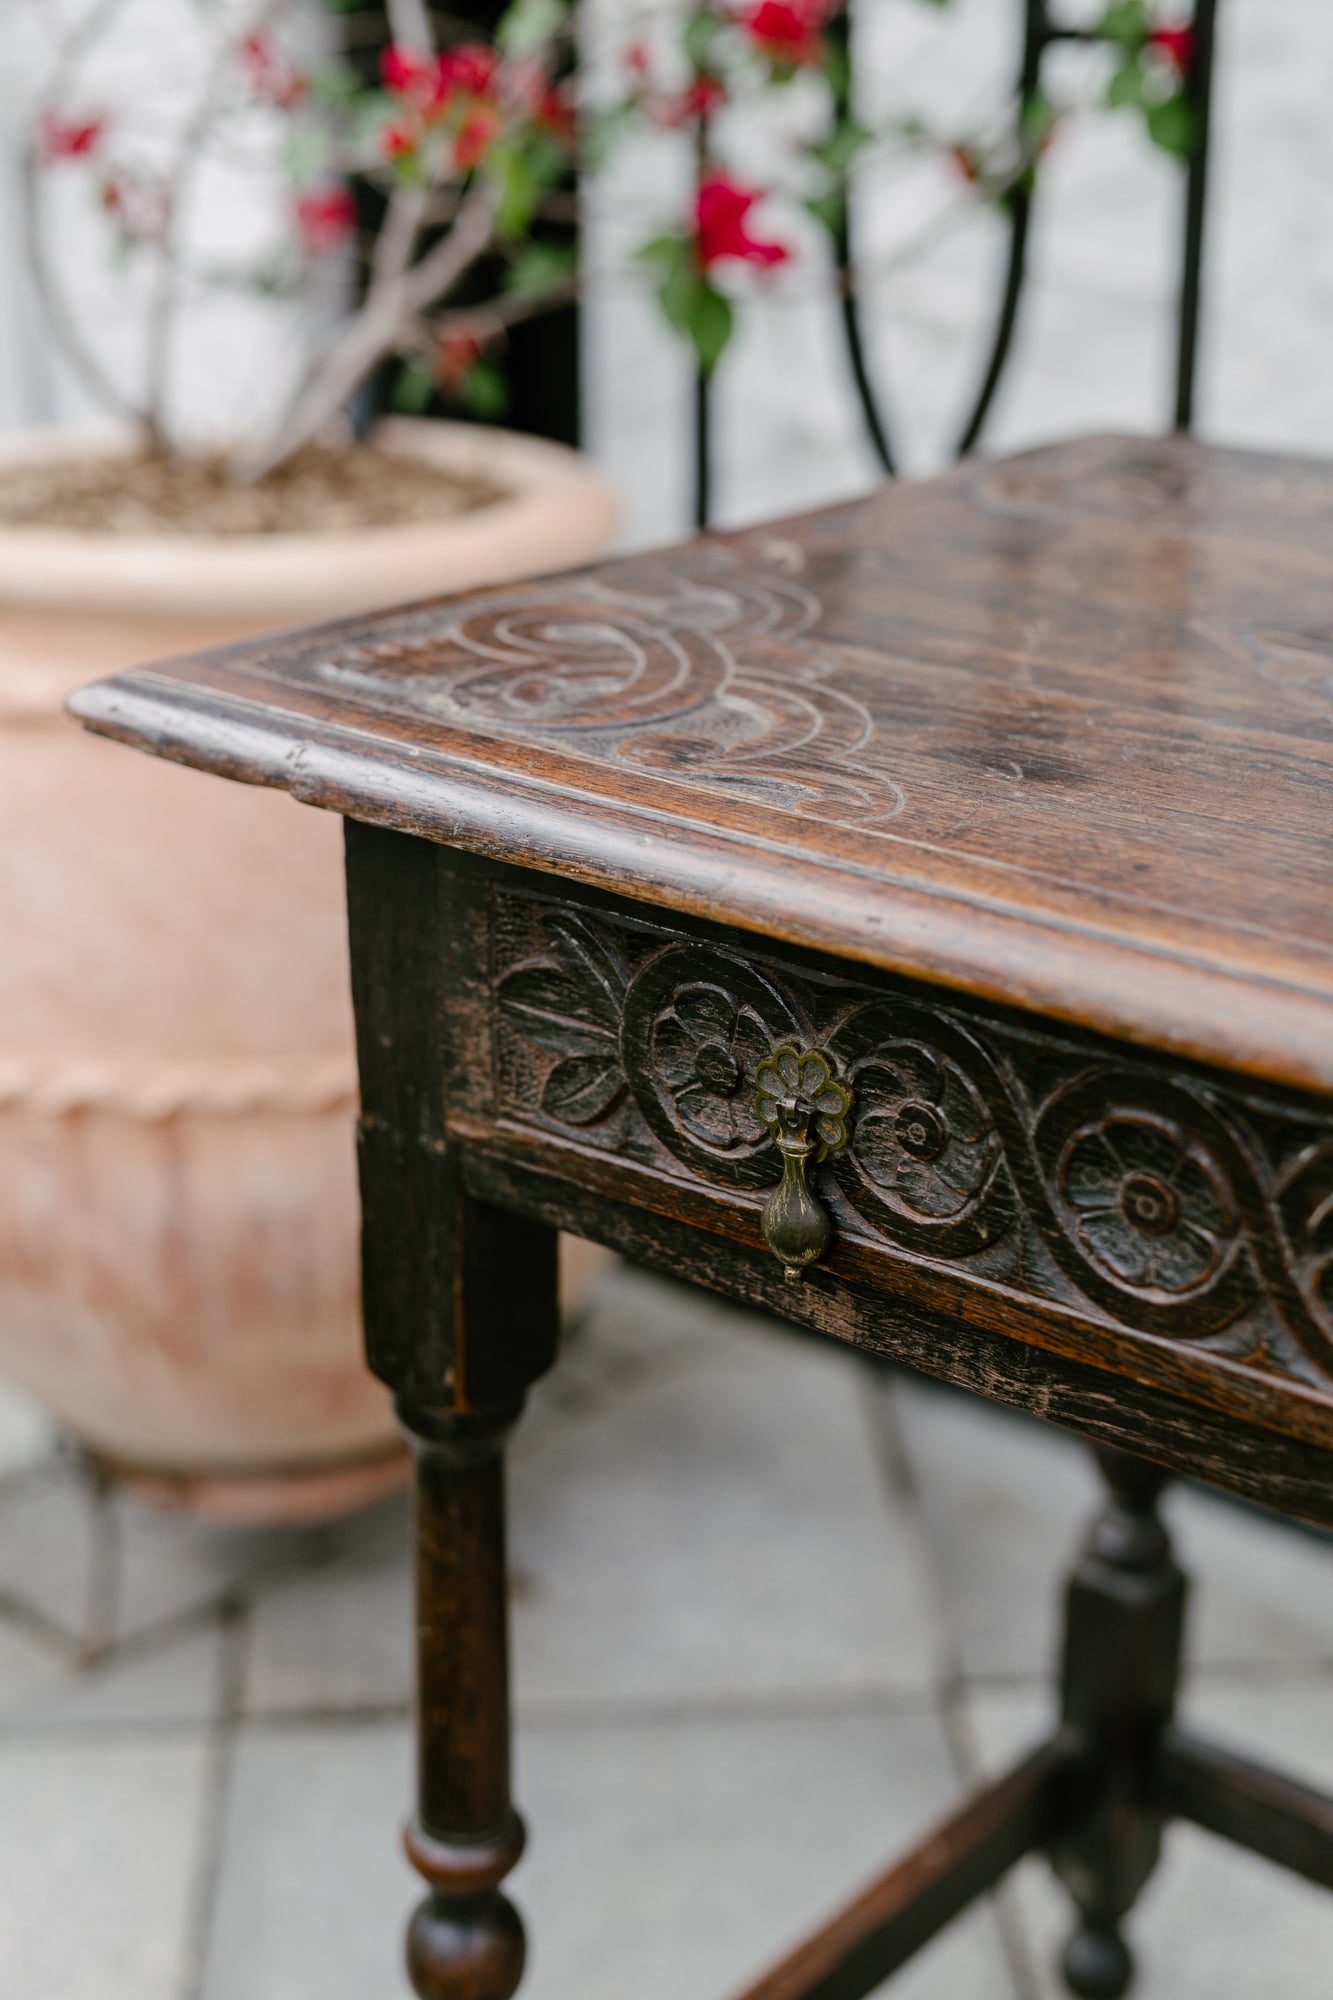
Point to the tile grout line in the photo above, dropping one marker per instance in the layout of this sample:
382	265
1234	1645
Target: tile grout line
951	1692
234	1617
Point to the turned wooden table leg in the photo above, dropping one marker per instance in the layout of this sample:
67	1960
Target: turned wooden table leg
1124	1613
461	1317
466	1939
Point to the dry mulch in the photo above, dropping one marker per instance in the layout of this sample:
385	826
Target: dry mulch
322	488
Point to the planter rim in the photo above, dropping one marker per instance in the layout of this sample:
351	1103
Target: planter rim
554	505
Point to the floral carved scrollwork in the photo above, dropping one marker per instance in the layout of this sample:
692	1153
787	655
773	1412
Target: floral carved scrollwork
1179	1206
568	1005
1305	1205
697	1024
1146	1193
926	1164
705	1045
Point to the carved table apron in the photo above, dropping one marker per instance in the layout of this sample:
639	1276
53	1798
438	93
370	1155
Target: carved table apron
915	920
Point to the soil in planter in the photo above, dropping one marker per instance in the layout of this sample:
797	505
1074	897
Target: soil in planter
319	490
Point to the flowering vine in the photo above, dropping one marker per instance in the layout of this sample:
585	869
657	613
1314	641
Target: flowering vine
739	51
474	146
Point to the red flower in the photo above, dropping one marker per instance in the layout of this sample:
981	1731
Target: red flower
1175	44
720	213
457	353
786	31
470	69
69	138
476	135
429	86
413	77
699	100
638	59
397	142
527	88
325	217
555	114
417	81
271	76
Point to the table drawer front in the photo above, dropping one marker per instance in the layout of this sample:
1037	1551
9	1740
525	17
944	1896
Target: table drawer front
1165	1201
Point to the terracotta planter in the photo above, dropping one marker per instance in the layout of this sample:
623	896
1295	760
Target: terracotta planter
178	1227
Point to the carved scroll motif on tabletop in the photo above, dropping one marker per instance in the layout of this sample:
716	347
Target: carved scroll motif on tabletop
697	673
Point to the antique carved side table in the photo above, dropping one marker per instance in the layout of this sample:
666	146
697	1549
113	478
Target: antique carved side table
916	920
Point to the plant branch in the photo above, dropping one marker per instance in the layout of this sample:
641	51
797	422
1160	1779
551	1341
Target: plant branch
410	26
496	316
77	42
375	330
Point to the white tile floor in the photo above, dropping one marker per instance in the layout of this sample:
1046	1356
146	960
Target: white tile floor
770	1611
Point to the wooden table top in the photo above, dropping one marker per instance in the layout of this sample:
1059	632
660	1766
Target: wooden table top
1056	730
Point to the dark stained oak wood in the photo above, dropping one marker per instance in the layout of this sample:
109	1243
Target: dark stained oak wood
466	1940
961	861
957	1862
1057	731
460	1307
1124	1625
1262	1810
597	1040
1286	1473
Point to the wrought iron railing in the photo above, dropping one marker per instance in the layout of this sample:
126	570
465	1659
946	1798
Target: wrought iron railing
544	363
1042	31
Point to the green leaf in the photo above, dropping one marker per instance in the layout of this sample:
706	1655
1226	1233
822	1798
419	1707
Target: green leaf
837	69
305	156
538	268
699	311
415	387
1126	86
701	32
601	126
1173	125
484	390
1036	117
830	209
546	160
335	84
508	168
842	145
1126	22
668	250
676	293
528	25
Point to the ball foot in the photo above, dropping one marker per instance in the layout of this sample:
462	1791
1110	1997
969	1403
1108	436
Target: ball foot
465	1948
1098	1965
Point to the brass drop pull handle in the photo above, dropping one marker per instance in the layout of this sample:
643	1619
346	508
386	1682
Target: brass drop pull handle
805	1107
